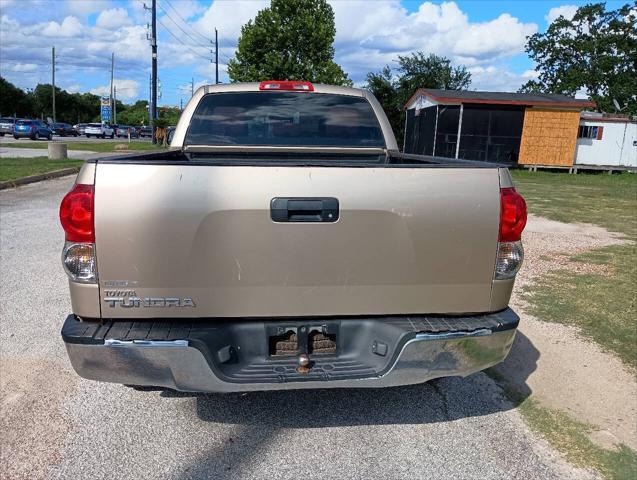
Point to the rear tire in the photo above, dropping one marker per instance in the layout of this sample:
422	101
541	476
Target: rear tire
103	135
36	136
16	137
112	136
50	137
88	136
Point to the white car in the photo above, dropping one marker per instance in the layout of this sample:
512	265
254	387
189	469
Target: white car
99	130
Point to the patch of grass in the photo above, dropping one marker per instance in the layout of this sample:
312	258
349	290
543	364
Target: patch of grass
601	306
609	201
571	437
14	168
94	146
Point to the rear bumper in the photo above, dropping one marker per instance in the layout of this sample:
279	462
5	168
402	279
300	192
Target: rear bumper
215	356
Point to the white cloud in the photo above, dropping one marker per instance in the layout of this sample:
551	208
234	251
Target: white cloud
70	27
369	35
23	67
229	17
367	38
497	78
74	88
566	11
126	89
113	19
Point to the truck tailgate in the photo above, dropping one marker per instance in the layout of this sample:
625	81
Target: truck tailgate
408	240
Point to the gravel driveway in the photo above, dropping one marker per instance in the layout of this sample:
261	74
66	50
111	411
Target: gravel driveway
56	425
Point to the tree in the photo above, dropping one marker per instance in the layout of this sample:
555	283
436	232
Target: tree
13	101
413	72
290	40
596	51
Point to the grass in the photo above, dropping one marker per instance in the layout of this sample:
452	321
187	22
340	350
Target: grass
14	168
609	201
95	146
602	306
571	437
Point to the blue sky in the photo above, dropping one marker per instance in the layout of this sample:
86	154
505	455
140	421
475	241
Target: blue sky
486	36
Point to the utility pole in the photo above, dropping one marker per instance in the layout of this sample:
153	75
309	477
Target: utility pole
115	105
216	56
150	100
53	78
111	96
154	66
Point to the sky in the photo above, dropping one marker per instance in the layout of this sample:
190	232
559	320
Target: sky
487	36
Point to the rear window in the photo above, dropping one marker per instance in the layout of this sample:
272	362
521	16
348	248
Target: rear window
284	119
6	120
24	122
94	125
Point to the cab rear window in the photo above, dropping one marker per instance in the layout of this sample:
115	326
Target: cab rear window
284	119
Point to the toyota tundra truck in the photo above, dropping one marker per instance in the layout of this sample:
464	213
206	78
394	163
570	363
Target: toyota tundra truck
284	242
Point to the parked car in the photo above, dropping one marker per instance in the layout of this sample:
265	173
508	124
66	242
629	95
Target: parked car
102	130
123	131
146	132
284	242
80	127
63	129
6	126
33	129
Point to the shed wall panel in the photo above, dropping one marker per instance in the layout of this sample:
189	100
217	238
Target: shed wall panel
549	137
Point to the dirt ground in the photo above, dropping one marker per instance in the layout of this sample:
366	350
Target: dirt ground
568	372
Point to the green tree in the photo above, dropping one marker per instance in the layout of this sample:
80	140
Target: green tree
596	51
13	101
413	72
290	40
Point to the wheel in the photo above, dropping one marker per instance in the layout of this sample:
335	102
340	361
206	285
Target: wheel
50	137
1	134
16	137
103	135
88	136
36	136
112	136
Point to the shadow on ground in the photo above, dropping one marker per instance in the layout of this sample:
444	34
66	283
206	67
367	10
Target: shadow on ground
258	417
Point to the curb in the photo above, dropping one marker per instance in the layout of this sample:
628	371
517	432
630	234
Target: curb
38	178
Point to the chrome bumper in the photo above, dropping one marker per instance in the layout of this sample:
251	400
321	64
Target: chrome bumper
182	365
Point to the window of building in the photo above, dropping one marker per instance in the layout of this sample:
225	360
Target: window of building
589	131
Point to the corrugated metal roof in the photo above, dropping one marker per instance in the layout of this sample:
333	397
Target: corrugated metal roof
469	96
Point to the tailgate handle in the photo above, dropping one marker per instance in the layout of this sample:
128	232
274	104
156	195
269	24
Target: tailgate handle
300	209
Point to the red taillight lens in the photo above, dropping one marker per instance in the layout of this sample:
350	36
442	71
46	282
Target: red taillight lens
76	214
286	85
512	215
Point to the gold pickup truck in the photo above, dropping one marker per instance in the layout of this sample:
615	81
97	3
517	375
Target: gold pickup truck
283	242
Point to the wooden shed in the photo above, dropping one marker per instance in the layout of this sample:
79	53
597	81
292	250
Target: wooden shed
514	128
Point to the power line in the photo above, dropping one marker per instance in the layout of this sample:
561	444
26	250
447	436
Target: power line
186	23
180	28
180	41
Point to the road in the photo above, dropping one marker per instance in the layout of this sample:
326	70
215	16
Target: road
7	139
56	425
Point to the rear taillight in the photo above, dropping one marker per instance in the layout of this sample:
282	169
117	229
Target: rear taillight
76	214
512	215
286	85
76	217
512	221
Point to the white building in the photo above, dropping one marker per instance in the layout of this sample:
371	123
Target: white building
606	140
